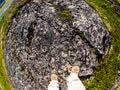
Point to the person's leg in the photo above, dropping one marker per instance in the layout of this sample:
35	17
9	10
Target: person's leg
54	85
73	81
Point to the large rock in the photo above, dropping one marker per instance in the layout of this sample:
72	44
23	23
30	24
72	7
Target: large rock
45	37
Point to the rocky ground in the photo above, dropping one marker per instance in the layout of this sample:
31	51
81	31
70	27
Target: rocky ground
46	36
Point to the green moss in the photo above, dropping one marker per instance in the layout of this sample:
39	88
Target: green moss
82	35
118	1
4	26
106	73
65	15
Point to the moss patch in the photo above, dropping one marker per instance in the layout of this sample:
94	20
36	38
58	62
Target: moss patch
118	1
65	15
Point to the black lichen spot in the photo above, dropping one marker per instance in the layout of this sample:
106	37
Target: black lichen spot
30	32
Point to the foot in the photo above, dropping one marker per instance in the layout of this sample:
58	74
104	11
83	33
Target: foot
54	77
54	84
75	69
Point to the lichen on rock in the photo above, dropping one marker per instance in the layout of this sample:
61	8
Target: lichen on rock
39	43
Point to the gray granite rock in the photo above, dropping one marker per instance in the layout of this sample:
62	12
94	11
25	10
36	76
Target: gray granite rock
40	43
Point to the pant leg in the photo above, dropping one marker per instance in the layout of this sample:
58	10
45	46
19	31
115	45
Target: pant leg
53	85
74	83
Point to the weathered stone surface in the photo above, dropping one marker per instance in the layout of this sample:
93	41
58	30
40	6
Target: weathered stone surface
40	43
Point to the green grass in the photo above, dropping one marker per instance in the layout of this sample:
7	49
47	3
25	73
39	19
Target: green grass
106	73
4	83
4	26
118	1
